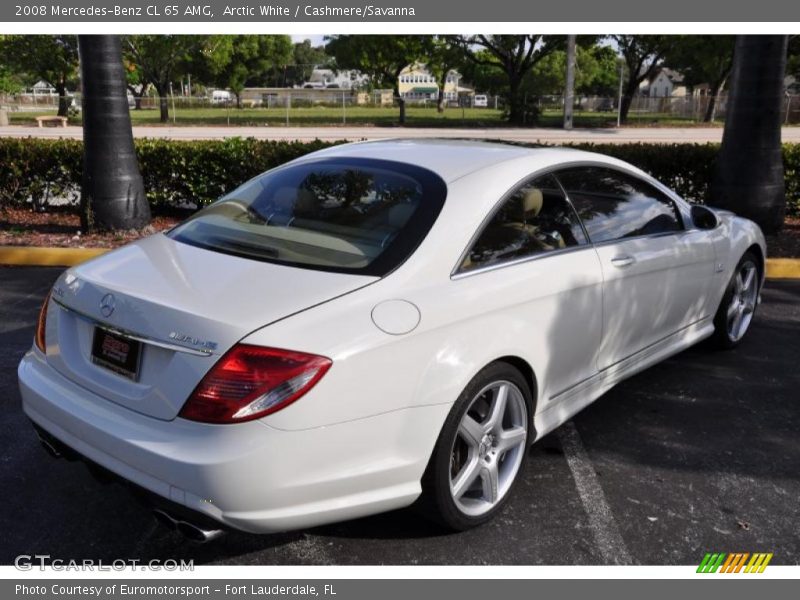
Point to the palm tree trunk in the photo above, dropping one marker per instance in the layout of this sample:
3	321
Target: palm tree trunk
748	174
112	194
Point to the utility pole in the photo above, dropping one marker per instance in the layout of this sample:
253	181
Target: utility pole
569	92
619	95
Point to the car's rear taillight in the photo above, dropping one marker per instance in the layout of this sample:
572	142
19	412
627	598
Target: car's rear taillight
41	326
250	382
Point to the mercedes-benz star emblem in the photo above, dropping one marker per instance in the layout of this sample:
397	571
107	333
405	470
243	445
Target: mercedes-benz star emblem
107	305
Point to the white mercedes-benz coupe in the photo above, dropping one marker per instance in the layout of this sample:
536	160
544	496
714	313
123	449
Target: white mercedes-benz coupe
377	325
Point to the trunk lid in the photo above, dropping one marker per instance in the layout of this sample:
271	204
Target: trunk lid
186	304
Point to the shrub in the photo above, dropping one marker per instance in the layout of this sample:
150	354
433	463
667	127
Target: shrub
178	173
686	168
39	170
200	172
175	173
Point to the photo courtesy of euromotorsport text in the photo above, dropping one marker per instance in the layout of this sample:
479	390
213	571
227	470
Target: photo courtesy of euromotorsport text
307	299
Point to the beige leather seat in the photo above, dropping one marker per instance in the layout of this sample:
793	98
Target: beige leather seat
532	204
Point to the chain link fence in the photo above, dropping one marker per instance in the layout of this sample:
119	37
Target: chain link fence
284	106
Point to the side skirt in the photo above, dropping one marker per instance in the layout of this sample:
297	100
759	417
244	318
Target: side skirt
561	407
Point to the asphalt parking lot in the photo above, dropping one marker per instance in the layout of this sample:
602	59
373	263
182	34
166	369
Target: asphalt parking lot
700	453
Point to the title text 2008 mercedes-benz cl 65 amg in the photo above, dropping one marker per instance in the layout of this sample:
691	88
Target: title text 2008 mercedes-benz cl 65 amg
378	324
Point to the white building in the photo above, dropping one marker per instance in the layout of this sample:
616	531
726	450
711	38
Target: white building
416	83
666	83
328	78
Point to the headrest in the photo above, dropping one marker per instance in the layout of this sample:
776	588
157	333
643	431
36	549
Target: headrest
283	199
399	214
306	202
532	202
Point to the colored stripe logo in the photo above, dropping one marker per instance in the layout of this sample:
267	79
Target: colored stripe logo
736	562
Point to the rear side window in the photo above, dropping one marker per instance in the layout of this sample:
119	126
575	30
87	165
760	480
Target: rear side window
614	205
343	215
535	218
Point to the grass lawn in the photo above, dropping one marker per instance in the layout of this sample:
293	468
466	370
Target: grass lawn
369	116
315	116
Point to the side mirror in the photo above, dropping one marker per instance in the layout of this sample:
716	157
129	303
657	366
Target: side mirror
703	217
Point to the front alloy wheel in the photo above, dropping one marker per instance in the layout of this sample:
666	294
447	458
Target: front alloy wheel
738	305
480	450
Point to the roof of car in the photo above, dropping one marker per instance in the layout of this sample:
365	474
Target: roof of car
454	158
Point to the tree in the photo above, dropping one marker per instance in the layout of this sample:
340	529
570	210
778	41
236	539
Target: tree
442	57
231	61
136	84
703	59
485	75
748	174
597	71
9	82
112	192
643	55
51	58
305	58
276	53
379	57
161	58
514	55
793	59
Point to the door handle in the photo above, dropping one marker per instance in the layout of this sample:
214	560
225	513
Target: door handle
622	261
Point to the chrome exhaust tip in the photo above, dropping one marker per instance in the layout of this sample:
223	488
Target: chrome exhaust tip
198	534
188	530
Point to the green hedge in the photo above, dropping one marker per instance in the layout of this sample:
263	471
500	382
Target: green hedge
200	171
174	172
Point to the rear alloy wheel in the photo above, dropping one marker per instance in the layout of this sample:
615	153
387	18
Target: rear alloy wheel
738	305
481	449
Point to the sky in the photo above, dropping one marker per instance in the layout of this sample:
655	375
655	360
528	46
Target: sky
316	40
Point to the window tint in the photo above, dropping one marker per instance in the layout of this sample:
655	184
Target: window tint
345	215
535	218
613	205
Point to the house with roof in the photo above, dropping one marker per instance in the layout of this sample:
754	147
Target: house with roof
417	84
666	83
345	79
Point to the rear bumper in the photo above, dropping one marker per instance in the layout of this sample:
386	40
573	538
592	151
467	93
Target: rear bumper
247	476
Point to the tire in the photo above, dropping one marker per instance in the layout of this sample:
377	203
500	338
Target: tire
738	305
492	463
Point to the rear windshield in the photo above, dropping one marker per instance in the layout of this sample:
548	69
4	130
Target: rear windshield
359	216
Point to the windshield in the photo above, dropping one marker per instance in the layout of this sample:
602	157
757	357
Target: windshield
345	215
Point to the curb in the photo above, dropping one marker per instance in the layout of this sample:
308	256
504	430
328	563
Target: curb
783	268
34	256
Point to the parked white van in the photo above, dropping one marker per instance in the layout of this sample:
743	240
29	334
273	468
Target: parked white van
220	97
481	101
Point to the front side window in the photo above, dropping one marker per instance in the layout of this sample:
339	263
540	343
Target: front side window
614	205
535	218
358	216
